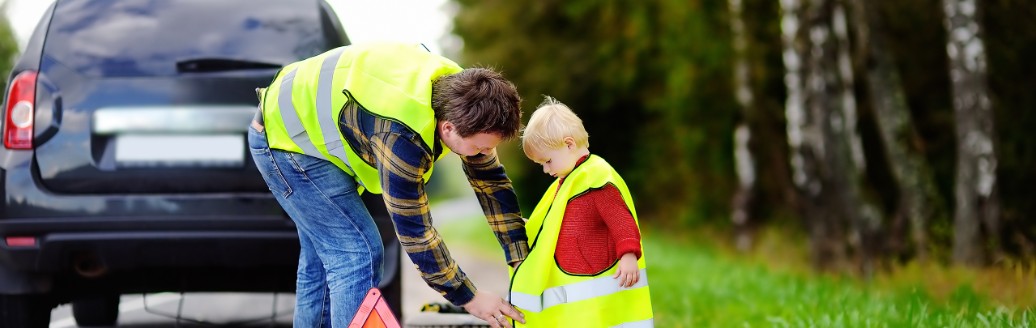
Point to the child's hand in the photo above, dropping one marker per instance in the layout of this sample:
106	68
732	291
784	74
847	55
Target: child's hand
627	272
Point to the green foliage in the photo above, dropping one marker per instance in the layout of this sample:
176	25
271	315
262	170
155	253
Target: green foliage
649	79
8	47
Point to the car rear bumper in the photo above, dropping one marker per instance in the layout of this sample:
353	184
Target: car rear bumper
98	252
73	256
122	231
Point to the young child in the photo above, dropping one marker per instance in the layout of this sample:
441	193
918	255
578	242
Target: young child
585	266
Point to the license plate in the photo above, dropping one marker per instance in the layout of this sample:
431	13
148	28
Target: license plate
180	150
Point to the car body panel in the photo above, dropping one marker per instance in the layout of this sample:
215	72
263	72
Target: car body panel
113	73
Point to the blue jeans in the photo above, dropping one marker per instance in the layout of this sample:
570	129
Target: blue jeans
341	251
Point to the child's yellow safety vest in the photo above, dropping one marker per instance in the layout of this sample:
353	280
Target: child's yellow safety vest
549	297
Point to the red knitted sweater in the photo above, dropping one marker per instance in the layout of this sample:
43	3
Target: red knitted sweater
597	229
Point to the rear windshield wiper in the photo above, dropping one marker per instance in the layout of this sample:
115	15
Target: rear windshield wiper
220	64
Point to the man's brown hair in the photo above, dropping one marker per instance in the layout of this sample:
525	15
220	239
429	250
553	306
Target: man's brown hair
478	100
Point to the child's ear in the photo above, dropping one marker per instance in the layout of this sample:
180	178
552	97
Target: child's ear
570	143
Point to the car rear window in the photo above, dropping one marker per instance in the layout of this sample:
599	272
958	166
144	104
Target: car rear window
149	37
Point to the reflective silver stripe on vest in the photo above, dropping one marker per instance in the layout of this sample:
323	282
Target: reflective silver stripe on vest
575	292
649	323
291	118
328	124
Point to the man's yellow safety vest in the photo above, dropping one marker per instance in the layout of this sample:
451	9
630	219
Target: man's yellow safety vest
391	80
550	297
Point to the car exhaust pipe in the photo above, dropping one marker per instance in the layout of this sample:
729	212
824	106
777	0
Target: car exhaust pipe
89	266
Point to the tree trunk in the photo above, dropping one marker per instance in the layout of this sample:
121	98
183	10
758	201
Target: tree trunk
806	117
743	202
918	199
827	158
849	159
975	188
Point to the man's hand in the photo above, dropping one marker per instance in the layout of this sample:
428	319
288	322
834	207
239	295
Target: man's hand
493	309
627	272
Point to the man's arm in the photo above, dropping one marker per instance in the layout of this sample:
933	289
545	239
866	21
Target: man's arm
499	203
401	164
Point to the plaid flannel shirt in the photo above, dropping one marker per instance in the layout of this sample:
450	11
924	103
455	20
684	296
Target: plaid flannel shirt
402	159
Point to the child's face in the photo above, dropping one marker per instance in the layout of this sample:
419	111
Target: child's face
559	162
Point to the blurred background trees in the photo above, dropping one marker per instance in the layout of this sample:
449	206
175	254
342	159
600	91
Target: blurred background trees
879	131
8	46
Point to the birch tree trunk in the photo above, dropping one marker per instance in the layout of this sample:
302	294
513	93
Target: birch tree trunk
918	200
806	116
827	158
849	159
977	203
743	201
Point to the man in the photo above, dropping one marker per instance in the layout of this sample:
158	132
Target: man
375	118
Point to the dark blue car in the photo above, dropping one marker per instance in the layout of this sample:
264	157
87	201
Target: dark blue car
124	166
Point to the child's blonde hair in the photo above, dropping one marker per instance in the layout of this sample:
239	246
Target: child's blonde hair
549	125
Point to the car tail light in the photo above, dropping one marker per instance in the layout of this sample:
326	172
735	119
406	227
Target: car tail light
21	105
20	241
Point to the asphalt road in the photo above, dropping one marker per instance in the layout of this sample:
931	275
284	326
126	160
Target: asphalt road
276	310
196	310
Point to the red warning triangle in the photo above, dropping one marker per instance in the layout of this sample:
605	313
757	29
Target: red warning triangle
374	313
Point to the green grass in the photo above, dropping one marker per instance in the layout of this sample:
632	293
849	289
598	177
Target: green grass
702	285
695	286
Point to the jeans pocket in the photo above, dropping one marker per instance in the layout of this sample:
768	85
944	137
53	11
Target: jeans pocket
267	166
256	139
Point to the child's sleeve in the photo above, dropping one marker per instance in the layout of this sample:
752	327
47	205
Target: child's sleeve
608	202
